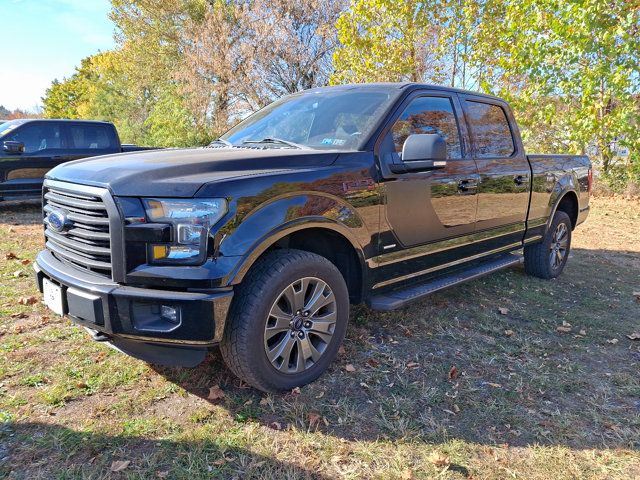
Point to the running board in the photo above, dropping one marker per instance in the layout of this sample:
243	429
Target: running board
399	298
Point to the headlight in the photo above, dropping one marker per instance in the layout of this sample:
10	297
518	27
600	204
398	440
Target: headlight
191	220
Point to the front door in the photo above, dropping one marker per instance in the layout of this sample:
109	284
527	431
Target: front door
23	174
430	213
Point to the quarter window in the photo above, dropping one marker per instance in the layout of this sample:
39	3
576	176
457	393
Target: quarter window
429	115
490	130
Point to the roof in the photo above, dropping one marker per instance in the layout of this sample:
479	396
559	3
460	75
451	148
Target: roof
400	86
27	120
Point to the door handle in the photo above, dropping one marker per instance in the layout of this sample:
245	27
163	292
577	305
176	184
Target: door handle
467	185
519	179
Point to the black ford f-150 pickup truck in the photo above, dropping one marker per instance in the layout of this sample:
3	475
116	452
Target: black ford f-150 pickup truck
30	148
379	193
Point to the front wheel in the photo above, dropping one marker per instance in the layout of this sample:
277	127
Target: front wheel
548	258
287	320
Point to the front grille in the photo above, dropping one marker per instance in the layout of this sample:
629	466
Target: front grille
85	241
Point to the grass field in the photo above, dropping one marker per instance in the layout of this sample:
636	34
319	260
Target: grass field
504	377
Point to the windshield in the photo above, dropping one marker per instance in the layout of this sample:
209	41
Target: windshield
10	125
323	119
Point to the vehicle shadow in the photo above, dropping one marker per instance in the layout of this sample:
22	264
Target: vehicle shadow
21	212
454	366
81	454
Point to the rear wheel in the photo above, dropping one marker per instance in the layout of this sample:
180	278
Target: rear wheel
548	258
287	320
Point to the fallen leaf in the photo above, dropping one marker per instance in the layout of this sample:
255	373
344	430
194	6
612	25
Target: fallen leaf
634	336
456	408
494	385
215	393
119	465
583	332
26	261
341	350
413	365
81	385
19	273
28	300
565	324
350	368
163	474
10	256
248	402
613	341
439	460
295	391
563	329
373	363
220	461
314	419
407	474
503	311
264	401
276	425
320	395
508	333
453	372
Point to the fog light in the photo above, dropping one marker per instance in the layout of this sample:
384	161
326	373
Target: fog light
170	314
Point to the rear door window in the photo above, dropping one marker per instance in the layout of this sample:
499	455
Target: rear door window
37	137
490	132
91	137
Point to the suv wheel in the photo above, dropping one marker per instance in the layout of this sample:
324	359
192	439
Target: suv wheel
287	320
548	258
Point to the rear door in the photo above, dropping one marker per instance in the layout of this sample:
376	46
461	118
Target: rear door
431	215
88	139
503	191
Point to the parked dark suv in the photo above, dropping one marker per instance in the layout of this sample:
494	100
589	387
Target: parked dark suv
378	193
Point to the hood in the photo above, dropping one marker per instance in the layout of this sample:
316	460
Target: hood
181	172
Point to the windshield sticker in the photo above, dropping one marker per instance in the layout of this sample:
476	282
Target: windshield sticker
333	141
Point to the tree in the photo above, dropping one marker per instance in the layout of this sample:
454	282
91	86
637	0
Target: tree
570	69
387	40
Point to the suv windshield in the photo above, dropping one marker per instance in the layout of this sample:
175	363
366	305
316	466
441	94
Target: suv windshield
340	119
9	125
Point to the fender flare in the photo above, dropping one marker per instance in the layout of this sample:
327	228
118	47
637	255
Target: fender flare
566	185
274	235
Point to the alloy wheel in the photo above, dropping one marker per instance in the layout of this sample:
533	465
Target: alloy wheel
559	246
300	325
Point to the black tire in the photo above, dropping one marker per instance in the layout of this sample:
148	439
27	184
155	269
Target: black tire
539	260
244	345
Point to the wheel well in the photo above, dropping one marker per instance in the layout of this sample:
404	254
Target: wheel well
569	205
335	248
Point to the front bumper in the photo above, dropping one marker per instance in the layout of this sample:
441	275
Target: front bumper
129	317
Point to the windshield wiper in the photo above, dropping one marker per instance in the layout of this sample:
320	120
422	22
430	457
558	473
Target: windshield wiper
221	141
274	141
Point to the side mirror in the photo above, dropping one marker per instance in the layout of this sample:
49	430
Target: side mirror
420	153
12	148
424	146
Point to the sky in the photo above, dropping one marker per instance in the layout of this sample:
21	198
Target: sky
41	40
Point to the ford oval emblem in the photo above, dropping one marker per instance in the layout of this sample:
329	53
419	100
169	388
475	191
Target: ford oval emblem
57	220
